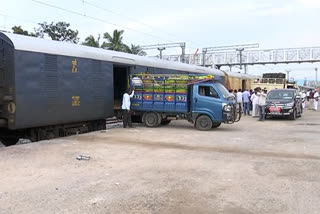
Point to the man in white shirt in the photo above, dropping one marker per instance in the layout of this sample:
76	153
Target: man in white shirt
126	108
262	103
255	99
303	96
316	100
239	99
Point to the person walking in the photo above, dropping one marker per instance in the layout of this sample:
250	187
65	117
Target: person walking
235	93
250	101
308	95
311	101
316	100
126	108
246	102
239	100
262	104
255	99
303	96
231	93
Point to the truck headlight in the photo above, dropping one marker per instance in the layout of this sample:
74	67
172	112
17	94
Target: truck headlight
290	104
227	108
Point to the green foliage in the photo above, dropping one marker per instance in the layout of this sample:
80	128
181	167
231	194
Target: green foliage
114	42
19	30
136	49
91	41
59	31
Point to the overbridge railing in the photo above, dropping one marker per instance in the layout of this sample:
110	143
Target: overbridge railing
251	57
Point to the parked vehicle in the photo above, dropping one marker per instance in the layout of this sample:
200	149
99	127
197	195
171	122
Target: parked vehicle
199	99
284	102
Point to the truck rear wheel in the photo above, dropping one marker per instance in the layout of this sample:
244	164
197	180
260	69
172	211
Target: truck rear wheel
203	123
151	119
165	122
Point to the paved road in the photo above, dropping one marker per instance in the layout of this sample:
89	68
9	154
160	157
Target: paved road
246	168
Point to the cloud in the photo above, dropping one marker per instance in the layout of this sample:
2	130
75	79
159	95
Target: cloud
276	11
312	4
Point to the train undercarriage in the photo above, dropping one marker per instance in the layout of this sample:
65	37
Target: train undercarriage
11	137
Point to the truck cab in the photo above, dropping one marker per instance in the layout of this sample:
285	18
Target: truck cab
214	101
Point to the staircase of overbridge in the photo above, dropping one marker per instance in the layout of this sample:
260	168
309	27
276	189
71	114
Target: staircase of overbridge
251	57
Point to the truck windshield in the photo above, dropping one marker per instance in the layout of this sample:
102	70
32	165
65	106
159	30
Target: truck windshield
223	90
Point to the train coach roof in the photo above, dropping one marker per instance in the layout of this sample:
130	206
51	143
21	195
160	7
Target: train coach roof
239	75
32	44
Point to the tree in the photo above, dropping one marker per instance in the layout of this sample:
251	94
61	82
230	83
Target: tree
114	42
59	31
19	30
136	49
91	41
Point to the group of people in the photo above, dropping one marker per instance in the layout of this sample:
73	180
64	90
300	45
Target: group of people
253	100
312	98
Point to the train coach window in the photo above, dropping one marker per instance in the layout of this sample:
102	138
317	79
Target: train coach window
272	81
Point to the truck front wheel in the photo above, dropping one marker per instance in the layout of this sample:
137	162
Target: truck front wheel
215	125
203	123
151	119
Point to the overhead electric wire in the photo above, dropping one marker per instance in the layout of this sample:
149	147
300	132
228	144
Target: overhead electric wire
134	20
97	19
17	18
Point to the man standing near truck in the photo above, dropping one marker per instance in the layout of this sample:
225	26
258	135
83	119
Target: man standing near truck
262	103
239	100
126	108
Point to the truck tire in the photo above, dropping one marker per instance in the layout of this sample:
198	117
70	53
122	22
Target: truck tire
165	122
151	119
204	123
215	125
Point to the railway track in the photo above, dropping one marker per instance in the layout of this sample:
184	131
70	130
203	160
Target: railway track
111	123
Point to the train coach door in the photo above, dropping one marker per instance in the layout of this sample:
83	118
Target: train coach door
244	86
2	73
120	84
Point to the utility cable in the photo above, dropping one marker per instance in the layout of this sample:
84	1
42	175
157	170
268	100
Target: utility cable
134	20
97	19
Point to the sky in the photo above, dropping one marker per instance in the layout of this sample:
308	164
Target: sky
201	23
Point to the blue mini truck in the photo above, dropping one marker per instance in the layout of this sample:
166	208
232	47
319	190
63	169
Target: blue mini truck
158	99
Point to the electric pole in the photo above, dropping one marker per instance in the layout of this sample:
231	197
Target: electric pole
240	55
288	72
161	49
204	51
316	70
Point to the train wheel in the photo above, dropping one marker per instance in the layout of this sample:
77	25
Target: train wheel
9	141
